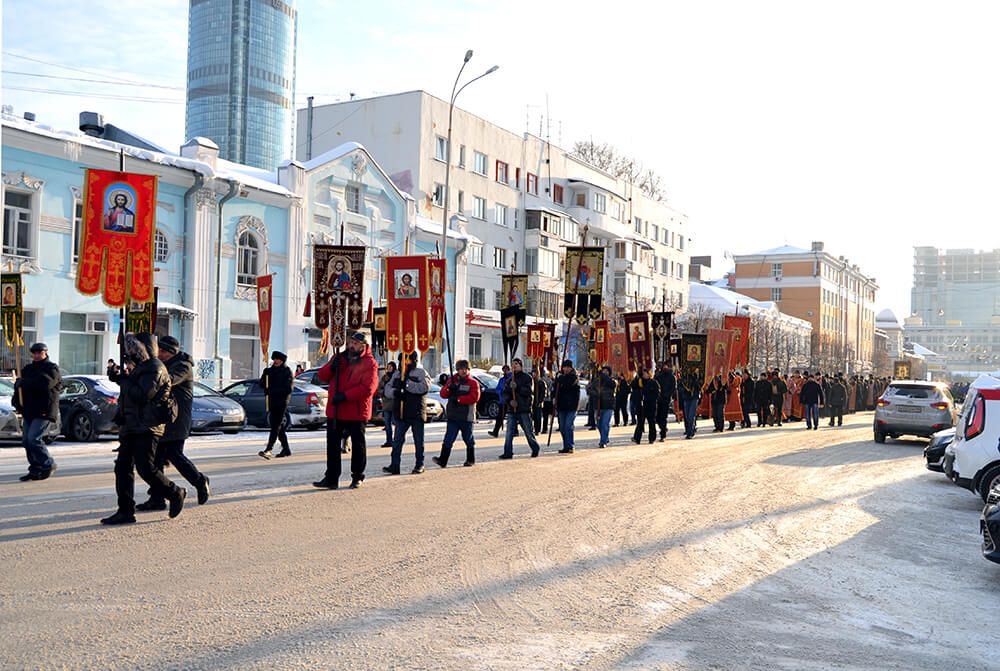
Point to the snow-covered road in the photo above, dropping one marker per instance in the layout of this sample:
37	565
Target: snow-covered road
758	549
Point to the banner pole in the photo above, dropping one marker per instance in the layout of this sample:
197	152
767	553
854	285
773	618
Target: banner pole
569	324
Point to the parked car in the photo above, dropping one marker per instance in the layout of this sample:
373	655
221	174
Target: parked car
989	526
972	460
434	403
87	406
913	407
307	407
489	399
211	411
934	452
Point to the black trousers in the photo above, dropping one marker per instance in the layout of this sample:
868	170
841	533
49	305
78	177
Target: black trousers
137	452
836	414
746	416
621	411
662	410
763	412
536	418
499	423
719	416
336	431
779	409
276	412
548	412
644	419
172	452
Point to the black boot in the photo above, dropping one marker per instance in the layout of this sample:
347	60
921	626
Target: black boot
203	491
177	503
119	518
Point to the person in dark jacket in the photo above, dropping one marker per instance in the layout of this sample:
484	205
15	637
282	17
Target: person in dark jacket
668	387
778	390
635	397
567	393
538	400
36	397
462	392
605	392
621	401
591	404
170	448
762	399
747	398
837	399
517	397
277	383
649	399
145	406
407	392
811	396
504	381
718	394
548	405
689	394
388	419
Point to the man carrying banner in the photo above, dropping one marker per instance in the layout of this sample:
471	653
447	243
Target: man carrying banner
668	387
517	396
605	388
567	402
649	399
689	393
406	391
36	397
462	392
277	383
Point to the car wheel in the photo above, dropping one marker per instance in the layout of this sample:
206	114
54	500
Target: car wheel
990	479
879	436
493	409
81	427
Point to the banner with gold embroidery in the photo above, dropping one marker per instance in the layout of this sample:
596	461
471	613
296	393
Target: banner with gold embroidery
720	348
740	354
536	347
141	317
338	282
264	312
583	283
116	248
638	339
602	341
12	309
407	322
662	323
437	269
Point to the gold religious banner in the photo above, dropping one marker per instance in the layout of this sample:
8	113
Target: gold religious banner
583	280
12	309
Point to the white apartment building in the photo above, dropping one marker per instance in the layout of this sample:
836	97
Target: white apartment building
524	199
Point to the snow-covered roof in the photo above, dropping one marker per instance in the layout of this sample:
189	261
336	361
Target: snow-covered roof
343	150
986	381
726	301
886	319
430	226
784	249
920	350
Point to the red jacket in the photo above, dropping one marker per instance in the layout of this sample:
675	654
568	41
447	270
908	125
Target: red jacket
357	381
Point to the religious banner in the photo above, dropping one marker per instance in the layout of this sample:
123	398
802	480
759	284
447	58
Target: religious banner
536	347
551	345
338	281
12	309
901	370
514	293
509	330
618	358
637	335
692	353
720	348
407	322
662	323
378	330
584	283
141	317
436	267
602	341
117	233
740	354
264	312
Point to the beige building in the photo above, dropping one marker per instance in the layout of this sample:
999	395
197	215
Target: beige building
828	291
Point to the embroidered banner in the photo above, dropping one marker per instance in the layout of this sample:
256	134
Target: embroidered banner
535	349
692	353
602	341
437	269
619	358
720	348
514	293
901	370
551	345
338	282
378	330
264	312
509	330
583	283
12	309
141	317
637	336
407	326
740	354
116	246
662	323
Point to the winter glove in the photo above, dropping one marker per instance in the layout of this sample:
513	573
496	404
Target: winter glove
397	385
452	388
339	397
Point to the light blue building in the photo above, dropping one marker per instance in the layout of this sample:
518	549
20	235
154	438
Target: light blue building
241	78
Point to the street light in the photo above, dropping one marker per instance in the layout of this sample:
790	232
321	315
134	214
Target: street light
455	90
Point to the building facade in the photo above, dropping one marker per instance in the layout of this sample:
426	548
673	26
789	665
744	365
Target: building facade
829	292
241	78
522	199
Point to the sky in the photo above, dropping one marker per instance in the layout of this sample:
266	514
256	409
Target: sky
871	126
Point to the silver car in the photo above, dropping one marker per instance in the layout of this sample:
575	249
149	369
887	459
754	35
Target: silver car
914	408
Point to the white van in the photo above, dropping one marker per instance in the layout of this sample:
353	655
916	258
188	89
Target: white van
973	458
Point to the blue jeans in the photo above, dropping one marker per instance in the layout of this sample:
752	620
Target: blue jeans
397	445
566	419
604	425
450	433
389	421
690	417
39	459
524	419
812	415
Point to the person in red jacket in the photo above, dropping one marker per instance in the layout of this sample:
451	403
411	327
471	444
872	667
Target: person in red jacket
462	392
353	378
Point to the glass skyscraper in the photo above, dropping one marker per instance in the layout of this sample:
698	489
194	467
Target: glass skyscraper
241	78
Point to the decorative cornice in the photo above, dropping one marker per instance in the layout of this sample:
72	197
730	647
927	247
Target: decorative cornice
251	224
55	224
204	198
22	180
243	293
169	207
21	264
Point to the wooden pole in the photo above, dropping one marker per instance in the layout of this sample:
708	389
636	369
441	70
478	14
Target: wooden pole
569	325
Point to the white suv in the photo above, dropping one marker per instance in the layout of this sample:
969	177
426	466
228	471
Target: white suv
973	458
913	408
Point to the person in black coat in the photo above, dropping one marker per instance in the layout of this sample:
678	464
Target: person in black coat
621	401
604	389
778	390
145	407
36	397
837	399
746	398
667	382
517	396
567	391
635	398
718	394
811	396
170	448
762	399
649	395
277	383
689	395
538	401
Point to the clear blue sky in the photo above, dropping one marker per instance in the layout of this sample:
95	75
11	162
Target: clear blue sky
869	125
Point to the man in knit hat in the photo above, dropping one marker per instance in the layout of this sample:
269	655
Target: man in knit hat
277	383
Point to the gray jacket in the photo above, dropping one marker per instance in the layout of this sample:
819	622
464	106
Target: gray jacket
407	396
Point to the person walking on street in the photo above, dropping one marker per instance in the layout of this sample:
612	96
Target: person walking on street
388	418
635	397
747	394
621	401
649	399
462	393
170	448
667	382
778	390
407	391
277	383
567	391
837	399
501	385
605	402
689	394
548	405
537	401
811	396
734	405
36	397
762	399
145	407
718	394
517	396
353	377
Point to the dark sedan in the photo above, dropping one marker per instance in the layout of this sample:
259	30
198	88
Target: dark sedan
934	452
310	376
489	399
87	406
211	411
307	408
989	526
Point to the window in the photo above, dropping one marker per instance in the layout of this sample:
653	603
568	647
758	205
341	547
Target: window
664	263
461	201
542	262
79	352
479	208
17	223
581	199
501	172
776	294
600	203
656	232
479	163
352	194
77	229
619	284
638	225
30	337
500	258
476	254
438	196
517	177
775	270
247	260
314	340
501	214
619	250
546	304
532	184
461	156
680	244
162	248
616	210
244	349
475	346
477	298
319	221
557	193
441	148
498	300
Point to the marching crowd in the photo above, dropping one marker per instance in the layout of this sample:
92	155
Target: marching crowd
154	410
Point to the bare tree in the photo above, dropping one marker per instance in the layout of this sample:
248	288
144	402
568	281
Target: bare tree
608	158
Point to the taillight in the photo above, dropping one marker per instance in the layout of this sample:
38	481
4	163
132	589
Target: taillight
312	399
940	405
882	403
977	419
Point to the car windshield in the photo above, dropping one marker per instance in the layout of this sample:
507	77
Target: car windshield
201	390
488	381
912	391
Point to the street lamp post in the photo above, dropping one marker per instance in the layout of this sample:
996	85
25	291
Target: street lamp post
455	91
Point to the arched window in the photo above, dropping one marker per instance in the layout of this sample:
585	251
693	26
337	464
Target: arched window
247	260
161	249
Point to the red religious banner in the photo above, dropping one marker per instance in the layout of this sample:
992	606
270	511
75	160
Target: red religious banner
740	354
550	345
536	342
602	341
264	312
116	248
720	347
437	267
638	338
618	359
407	323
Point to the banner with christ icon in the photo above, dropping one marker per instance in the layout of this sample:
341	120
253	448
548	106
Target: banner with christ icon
338	274
638	338
662	323
720	347
583	283
407	320
691	356
739	356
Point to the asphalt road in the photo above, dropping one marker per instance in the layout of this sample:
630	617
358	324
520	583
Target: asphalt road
757	549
